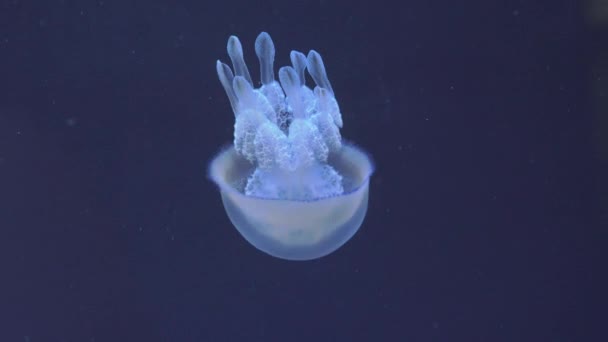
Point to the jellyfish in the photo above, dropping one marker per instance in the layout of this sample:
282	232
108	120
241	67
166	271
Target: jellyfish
289	183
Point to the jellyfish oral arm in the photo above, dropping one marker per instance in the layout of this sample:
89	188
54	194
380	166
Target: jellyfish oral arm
286	129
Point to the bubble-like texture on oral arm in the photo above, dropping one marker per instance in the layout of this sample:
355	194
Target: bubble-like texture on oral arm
315	181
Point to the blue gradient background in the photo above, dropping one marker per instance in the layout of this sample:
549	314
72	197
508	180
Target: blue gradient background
488	208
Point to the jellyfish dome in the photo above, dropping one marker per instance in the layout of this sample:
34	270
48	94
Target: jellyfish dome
289	184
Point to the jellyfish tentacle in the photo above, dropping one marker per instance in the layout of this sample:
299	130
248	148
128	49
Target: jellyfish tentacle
316	69
264	49
226	78
298	60
235	51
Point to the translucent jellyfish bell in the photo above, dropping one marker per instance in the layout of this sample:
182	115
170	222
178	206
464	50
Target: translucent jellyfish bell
289	184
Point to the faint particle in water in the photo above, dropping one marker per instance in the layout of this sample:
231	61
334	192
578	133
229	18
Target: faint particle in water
179	41
71	122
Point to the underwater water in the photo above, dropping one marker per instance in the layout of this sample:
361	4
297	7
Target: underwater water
482	122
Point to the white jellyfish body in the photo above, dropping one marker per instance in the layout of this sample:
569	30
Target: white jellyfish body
289	184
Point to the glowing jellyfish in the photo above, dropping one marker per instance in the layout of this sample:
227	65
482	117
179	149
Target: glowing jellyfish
289	184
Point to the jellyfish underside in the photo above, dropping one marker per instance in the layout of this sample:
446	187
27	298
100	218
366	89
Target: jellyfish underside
289	184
